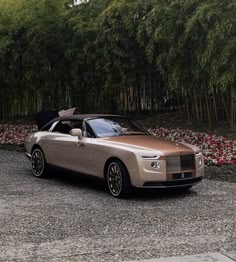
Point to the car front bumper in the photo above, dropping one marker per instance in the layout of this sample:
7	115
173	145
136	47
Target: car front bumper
149	177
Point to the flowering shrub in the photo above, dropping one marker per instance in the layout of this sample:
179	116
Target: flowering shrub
217	150
14	134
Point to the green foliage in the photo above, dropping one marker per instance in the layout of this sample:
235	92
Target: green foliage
118	55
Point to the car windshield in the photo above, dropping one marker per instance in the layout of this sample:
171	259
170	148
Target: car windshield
115	126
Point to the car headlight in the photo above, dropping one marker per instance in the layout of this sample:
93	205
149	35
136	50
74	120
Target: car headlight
155	164
199	161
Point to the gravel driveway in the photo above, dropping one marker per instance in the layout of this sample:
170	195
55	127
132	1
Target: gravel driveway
71	218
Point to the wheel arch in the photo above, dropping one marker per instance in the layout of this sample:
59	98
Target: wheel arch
36	146
109	160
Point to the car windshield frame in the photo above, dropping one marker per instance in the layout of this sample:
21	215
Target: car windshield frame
114	126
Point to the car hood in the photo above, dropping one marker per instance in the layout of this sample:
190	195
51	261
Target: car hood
154	143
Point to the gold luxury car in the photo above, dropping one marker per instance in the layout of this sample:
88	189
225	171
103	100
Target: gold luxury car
114	148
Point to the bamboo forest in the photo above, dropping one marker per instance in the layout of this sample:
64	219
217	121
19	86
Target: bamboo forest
119	56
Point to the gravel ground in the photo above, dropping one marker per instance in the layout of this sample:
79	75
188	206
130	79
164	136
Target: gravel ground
72	218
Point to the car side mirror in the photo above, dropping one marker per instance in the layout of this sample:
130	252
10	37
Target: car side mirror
76	132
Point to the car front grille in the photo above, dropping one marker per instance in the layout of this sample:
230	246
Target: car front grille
180	163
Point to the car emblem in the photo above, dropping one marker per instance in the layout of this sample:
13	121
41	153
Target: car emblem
176	144
182	175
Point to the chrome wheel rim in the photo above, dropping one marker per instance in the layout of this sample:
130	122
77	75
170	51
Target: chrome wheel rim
114	179
37	162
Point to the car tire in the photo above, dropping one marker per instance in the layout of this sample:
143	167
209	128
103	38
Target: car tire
118	180
38	163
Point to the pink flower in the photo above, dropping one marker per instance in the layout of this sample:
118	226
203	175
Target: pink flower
216	149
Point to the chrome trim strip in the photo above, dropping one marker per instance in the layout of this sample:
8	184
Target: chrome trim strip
28	155
198	154
150	157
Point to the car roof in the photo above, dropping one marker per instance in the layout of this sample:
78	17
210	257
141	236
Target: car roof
87	116
81	117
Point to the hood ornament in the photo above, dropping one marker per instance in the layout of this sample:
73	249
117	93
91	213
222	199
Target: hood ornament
177	146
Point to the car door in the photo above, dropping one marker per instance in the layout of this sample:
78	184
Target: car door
66	151
58	144
82	153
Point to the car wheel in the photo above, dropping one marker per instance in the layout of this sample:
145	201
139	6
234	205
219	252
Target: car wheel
38	163
118	179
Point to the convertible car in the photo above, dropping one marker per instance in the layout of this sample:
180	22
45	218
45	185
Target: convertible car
114	148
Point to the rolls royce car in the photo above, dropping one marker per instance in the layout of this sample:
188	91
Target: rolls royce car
116	149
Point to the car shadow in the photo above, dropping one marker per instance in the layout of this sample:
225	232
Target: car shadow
73	179
162	193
